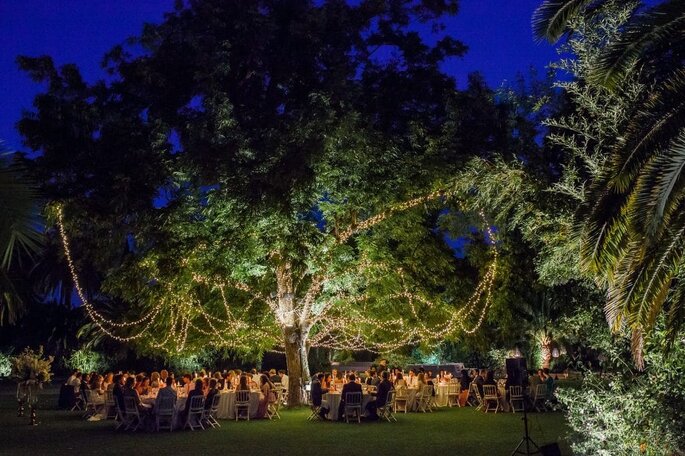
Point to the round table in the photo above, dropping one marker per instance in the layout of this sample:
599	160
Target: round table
227	404
331	401
441	391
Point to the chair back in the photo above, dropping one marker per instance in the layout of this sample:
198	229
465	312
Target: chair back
242	397
165	406
453	388
540	390
490	391
515	391
390	398
130	406
353	399
474	390
215	403
109	398
197	404
427	390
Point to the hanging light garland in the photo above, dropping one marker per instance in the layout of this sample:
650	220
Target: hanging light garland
339	323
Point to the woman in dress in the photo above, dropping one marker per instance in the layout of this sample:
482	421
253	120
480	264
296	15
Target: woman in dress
265	396
243	385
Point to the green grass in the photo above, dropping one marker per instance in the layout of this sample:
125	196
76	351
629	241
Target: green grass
444	432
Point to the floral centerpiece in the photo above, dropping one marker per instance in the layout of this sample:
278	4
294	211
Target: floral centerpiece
30	369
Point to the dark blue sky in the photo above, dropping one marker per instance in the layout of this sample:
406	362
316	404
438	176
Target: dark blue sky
497	32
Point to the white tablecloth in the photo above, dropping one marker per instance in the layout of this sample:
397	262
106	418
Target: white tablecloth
441	394
332	402
227	404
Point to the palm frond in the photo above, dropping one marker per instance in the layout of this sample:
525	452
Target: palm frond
551	19
661	27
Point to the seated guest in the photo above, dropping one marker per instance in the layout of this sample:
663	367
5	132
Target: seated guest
197	391
243	385
154	380
464	380
285	381
317	390
338	381
130	391
118	391
420	381
213	391
255	376
274	377
350	387
187	384
399	381
490	378
163	376
265	397
384	387
107	382
167	391
412	379
327	381
479	380
144	388
229	380
372	380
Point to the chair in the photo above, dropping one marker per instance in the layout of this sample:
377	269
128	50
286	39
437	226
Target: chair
120	420
516	396
133	418
76	400
490	396
274	404
242	404
387	412
401	401
110	409
353	405
195	412
89	409
165	413
540	398
424	401
453	391
477	400
209	414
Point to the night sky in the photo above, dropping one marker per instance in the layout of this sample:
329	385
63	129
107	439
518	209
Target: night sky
497	32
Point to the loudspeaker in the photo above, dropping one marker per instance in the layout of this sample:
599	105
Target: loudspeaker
550	450
516	371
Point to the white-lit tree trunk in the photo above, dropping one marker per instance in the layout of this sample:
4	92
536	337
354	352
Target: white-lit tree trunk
295	334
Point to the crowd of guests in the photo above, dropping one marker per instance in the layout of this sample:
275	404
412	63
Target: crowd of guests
384	380
92	387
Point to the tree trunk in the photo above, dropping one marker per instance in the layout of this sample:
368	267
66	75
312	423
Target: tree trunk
296	355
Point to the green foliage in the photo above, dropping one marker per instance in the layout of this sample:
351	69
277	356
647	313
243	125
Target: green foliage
31	365
87	361
5	364
629	412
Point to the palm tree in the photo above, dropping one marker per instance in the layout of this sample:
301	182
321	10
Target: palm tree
19	236
633	226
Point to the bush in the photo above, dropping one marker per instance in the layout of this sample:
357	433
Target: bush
5	365
87	361
631	412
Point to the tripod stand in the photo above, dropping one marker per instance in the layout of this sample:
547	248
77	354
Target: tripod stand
530	446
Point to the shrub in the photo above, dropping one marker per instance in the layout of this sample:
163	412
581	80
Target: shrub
630	412
87	361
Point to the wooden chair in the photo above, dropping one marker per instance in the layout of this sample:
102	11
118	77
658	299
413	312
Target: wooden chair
209	414
401	402
165	412
274	404
242	404
353	405
195	412
540	398
133	418
476	398
516	396
110	408
387	412
424	401
490	396
453	391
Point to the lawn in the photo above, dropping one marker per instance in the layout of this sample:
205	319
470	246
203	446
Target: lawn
447	431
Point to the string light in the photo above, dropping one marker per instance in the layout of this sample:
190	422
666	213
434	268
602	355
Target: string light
341	322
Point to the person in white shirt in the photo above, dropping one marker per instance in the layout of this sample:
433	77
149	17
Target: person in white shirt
412	380
167	391
284	379
255	377
75	381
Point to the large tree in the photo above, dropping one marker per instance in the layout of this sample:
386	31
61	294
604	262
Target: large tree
265	174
